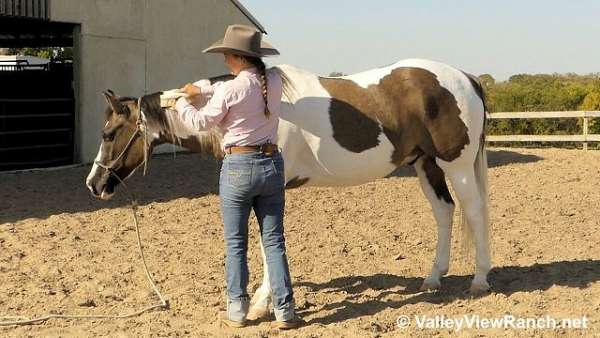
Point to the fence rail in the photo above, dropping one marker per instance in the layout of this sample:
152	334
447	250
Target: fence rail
20	65
585	137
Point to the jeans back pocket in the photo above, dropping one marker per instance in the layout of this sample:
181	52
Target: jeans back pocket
239	175
278	168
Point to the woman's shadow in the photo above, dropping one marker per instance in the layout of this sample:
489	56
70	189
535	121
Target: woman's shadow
504	280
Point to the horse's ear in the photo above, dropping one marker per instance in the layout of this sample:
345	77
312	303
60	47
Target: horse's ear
113	102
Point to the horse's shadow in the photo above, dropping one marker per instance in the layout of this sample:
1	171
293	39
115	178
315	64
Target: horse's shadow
504	280
500	158
496	158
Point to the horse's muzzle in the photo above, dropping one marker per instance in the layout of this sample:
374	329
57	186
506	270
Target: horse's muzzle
101	184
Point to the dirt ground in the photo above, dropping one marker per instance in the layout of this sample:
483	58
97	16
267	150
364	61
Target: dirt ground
357	255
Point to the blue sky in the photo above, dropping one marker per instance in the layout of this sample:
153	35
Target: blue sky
497	37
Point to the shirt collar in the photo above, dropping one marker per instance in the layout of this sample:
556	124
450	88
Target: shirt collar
248	71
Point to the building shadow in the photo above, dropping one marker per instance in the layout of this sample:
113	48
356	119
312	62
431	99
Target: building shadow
39	194
504	280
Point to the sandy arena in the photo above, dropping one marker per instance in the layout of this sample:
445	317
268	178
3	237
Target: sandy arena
358	255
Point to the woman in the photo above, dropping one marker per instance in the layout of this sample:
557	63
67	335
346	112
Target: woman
246	109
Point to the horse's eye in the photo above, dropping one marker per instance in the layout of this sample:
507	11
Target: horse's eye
108	137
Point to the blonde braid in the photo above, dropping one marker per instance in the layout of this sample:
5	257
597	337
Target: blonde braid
263	76
260	65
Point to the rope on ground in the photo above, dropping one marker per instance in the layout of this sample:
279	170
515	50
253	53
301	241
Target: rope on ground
163	305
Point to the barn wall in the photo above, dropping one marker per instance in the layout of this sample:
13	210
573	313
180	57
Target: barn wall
139	46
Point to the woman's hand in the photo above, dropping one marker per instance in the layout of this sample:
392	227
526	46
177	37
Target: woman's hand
191	91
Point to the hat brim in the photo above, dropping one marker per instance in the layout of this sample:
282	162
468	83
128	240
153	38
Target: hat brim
266	49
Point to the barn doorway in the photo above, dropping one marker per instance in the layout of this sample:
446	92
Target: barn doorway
37	99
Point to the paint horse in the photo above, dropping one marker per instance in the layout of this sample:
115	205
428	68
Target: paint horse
344	131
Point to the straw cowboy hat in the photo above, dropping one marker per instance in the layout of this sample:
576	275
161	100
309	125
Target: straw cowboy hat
242	40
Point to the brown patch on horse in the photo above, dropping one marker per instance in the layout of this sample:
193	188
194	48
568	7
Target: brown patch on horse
296	182
342	115
206	145
409	105
436	178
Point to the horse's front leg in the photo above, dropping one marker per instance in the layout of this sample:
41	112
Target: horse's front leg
260	301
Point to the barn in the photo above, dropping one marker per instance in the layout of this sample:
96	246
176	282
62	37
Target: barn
52	116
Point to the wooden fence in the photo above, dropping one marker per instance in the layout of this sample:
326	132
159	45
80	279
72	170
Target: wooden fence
585	137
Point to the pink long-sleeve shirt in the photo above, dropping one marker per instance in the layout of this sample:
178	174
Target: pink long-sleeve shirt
237	108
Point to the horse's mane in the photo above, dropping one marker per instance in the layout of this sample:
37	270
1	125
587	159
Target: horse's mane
288	86
208	142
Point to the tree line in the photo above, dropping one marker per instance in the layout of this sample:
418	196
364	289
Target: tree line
542	92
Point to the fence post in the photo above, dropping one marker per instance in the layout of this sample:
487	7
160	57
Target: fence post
585	130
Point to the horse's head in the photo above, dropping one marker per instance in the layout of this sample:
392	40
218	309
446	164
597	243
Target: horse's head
122	149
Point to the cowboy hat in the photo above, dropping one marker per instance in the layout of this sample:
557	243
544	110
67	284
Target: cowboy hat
242	40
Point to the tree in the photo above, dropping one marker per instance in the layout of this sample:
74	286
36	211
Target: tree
487	80
591	101
336	74
50	53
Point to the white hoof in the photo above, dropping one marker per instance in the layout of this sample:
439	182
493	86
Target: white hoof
257	313
431	284
479	287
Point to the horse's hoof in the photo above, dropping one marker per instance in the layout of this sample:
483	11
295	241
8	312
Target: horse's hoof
258	313
430	284
479	289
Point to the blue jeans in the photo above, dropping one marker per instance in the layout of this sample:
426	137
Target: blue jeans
254	181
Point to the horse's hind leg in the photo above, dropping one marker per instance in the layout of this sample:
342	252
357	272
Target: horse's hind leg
259	305
475	207
434	187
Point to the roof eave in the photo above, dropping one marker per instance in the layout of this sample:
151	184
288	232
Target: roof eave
250	17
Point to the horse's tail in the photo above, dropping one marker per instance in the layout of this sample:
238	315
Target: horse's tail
480	167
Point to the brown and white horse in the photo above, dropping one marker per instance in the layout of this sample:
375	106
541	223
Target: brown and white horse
345	131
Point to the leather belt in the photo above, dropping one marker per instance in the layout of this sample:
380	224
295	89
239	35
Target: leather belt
267	149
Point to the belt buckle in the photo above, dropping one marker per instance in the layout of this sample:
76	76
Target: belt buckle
265	149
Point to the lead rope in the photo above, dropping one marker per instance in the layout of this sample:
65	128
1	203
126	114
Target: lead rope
142	122
163	305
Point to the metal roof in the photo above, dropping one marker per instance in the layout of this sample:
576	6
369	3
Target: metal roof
247	13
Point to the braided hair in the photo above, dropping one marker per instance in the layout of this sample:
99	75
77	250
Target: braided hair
262	70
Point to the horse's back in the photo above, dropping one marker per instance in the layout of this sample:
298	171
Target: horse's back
385	117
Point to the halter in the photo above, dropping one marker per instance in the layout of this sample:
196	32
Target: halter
138	129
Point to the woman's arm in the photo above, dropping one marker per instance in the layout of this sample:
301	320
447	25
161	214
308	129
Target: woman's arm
202	87
208	116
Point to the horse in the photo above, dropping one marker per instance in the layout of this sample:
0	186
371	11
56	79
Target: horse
344	131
